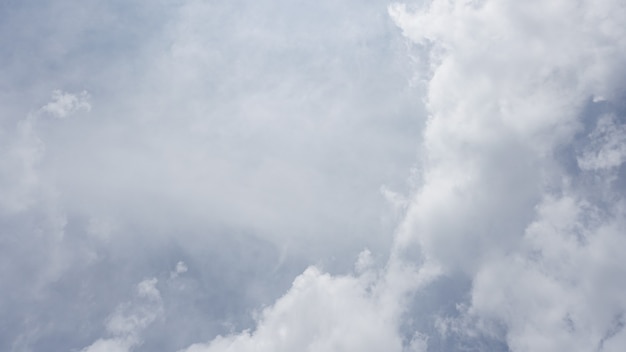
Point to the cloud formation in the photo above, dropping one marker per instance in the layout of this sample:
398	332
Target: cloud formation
317	314
322	312
223	135
513	97
476	148
128	320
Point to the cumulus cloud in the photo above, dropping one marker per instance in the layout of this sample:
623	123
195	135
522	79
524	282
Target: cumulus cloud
511	89
236	144
321	312
317	314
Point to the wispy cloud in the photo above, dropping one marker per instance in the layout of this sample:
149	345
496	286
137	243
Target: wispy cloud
130	319
63	104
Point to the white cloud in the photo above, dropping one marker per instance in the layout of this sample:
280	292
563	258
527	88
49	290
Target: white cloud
324	313
607	148
248	116
129	320
110	345
236	143
561	290
34	242
509	87
181	268
226	135
64	104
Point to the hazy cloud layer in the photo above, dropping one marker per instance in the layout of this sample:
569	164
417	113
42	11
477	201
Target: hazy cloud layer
246	140
321	176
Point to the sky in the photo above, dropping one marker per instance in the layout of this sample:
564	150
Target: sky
294	175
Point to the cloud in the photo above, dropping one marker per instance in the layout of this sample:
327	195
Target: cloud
181	268
561	291
511	92
234	145
63	104
130	319
321	312
244	116
223	135
607	148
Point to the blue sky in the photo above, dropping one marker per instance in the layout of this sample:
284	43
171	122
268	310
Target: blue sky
323	176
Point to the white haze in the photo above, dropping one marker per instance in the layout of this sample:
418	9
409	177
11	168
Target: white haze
316	176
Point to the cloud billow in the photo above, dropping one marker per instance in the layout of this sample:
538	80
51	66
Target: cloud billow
195	157
508	88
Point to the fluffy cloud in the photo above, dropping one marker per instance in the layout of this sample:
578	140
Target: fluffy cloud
512	93
562	290
317	314
322	312
232	145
